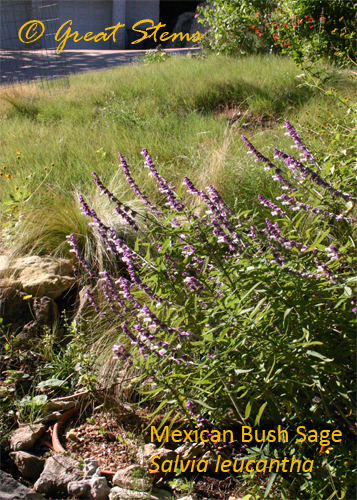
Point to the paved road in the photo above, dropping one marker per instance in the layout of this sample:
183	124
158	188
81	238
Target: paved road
37	64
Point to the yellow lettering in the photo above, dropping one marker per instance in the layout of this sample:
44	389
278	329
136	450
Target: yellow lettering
272	435
100	36
226	465
301	434
188	436
64	37
339	433
272	463
217	464
181	35
241	466
313	437
32	26
217	434
115	29
201	437
284	433
293	462
249	462
224	436
159	438
323	440
178	434
256	437
311	465
141	31
162	39
205	462
197	36
75	34
153	462
244	432
169	467
88	39
264	462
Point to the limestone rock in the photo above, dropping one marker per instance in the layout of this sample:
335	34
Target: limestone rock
134	477
161	494
90	467
117	493
144	455
58	472
25	437
60	405
79	489
13	490
212	461
45	310
37	276
93	486
189	450
29	465
150	451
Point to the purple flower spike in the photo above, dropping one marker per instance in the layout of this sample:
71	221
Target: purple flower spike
164	185
75	249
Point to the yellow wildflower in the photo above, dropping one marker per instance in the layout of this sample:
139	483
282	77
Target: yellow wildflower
325	450
19	153
27	297
9	176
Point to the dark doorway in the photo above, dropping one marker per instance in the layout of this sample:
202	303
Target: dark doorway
171	10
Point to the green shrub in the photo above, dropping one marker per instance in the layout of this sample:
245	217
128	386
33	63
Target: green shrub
250	313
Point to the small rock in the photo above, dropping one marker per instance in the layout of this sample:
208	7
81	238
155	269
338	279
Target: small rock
90	467
60	405
37	276
51	417
25	437
117	493
134	477
58	472
144	455
79	489
212	461
188	450
29	465
99	487
45	310
161	494
13	490
29	331
150	451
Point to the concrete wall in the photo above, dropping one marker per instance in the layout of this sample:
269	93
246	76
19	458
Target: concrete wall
118	15
86	16
137	11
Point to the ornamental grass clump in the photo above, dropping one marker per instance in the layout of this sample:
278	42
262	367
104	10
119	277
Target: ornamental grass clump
250	315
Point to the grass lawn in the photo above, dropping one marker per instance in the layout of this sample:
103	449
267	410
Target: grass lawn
186	111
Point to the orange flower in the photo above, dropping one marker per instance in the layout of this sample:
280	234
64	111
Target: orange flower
9	176
325	450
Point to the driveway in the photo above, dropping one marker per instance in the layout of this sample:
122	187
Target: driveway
21	65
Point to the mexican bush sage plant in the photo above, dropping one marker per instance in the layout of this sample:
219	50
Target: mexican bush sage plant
247	318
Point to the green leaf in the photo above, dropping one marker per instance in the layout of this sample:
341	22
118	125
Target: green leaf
260	412
270	484
248	408
51	382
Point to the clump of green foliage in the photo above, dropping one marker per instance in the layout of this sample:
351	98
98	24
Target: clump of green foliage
247	312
